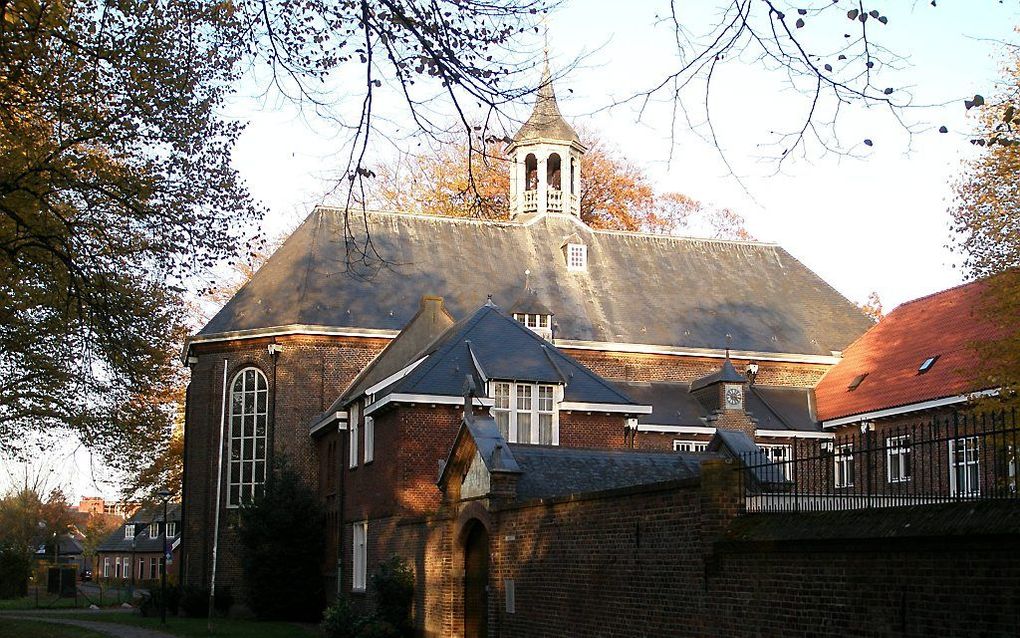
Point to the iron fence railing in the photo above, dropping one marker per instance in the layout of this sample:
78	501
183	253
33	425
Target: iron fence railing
955	457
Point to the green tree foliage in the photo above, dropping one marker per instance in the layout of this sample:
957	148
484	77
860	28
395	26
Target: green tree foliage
116	180
28	521
987	228
283	542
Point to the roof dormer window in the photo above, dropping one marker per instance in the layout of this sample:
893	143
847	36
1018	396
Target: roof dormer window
129	531
537	323
527	412
577	257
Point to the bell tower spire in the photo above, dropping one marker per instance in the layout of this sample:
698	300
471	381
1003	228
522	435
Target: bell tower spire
545	172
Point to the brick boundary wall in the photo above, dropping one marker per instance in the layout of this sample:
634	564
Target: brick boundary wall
678	559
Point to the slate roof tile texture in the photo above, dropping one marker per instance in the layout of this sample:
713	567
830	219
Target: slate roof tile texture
552	471
642	289
942	324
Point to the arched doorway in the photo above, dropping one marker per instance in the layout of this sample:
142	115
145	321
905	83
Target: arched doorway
476	581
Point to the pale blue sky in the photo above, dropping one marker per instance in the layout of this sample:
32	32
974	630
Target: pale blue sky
878	223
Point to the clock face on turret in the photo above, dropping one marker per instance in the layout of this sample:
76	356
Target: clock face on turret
734	397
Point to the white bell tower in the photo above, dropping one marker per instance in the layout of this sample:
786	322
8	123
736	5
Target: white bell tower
545	154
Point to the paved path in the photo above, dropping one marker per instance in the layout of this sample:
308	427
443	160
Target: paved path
109	628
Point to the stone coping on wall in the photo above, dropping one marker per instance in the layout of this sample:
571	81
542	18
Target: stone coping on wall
973	520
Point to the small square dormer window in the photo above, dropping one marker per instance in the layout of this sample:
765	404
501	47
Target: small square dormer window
129	531
577	257
538	323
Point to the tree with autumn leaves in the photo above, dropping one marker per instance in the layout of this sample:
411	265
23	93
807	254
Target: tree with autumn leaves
462	180
986	220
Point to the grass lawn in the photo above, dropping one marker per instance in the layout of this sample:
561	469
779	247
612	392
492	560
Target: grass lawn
10	628
197	627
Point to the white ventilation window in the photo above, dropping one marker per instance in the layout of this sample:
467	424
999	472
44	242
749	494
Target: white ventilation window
526	412
577	257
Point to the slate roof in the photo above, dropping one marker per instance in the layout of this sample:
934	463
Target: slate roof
774	407
944	324
642	289
738	445
503	349
551	471
545	121
492	447
725	374
116	542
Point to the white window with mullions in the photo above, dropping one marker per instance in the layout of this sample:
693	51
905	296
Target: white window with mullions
897	459
779	454
964	466
526	412
249	421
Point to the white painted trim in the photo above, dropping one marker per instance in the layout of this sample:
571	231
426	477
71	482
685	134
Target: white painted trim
794	434
910	407
675	429
340	417
605	407
642	348
396	376
438	399
576	344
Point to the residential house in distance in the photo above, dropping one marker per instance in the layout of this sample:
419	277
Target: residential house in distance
134	551
99	505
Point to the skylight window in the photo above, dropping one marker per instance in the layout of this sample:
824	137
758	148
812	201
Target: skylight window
856	382
927	364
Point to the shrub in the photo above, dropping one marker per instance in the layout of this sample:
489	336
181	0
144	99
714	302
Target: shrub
283	540
340	621
393	582
378	628
15	568
150	604
195	601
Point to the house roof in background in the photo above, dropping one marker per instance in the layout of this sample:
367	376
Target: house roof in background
637	289
942	325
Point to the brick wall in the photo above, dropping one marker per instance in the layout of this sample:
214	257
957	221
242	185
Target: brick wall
303	380
661	367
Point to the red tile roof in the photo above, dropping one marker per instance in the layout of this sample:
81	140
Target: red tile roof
944	324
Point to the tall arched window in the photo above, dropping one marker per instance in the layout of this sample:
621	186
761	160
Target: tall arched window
572	167
249	417
552	171
530	172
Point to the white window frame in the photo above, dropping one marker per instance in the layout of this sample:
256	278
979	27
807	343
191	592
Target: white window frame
129	531
171	529
843	466
141	569
106	566
128	567
153	530
359	562
519	402
369	439
352	439
577	257
116	567
248	448
971	458
898	458
153	568
539	324
780	454
694	447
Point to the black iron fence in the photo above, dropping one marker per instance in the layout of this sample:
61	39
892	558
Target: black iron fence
954	457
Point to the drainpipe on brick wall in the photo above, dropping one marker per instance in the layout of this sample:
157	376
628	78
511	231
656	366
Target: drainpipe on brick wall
219	488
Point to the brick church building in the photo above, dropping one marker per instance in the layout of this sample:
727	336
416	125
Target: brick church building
592	359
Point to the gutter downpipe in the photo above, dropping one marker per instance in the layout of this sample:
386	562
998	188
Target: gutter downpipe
219	488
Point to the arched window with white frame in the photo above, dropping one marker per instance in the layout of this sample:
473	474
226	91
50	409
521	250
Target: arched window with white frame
249	423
